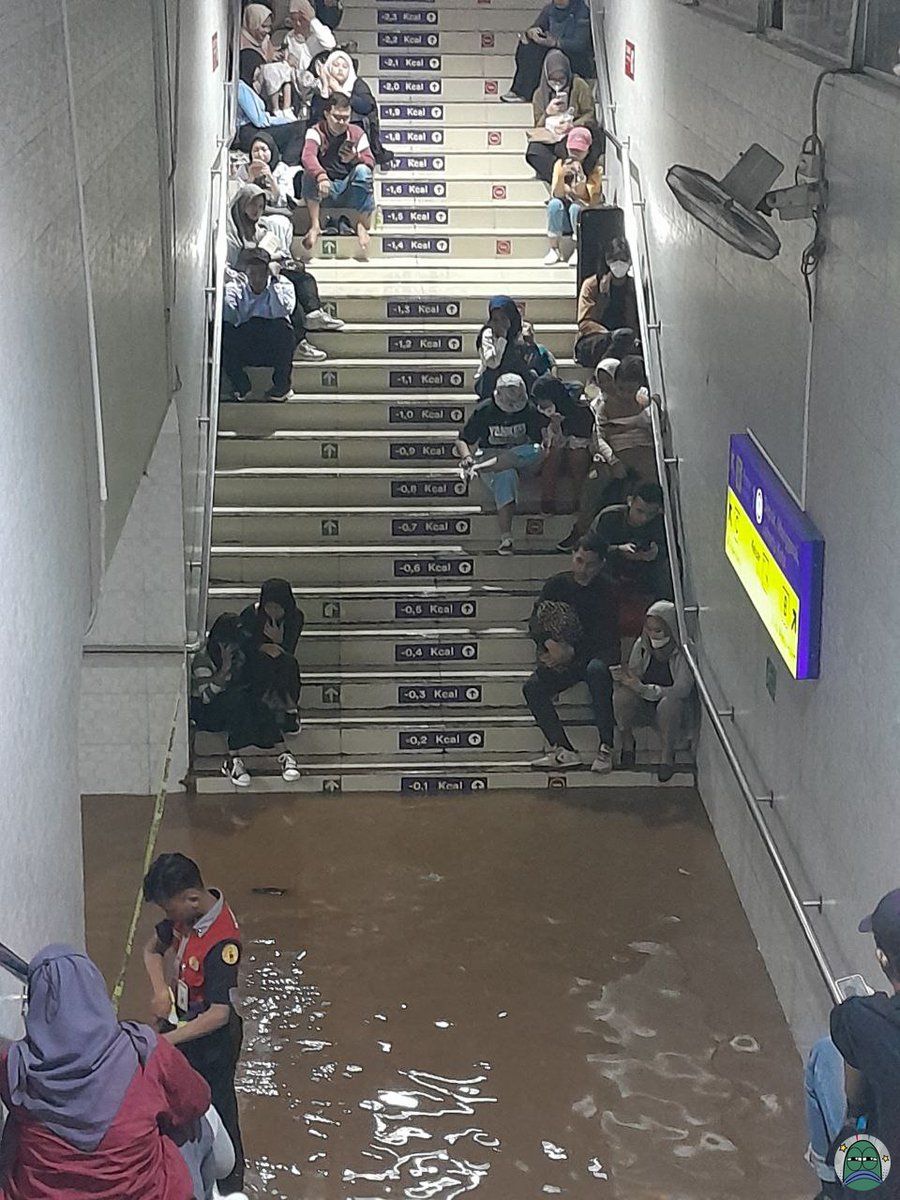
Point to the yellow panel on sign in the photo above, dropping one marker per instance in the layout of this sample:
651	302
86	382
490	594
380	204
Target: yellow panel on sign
764	581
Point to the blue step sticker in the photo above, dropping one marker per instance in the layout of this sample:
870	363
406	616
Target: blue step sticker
405	652
410	451
418	162
412	137
412	112
425	343
439	693
428	568
426	414
434	785
415	216
411	189
428	489
430	527
403	40
407	16
409	87
409	62
441	739
434	610
422	310
449	380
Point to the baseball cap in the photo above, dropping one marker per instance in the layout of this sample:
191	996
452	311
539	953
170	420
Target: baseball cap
579	138
884	924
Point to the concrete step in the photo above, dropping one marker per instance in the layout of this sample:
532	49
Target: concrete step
433	65
373	563
440	302
401	605
416	86
414	216
455	113
459	277
495	141
427	244
326	649
397	376
357	6
430	39
399	187
400	485
446	20
254	526
413	341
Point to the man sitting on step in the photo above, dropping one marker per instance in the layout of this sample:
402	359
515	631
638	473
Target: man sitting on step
574	626
257	329
337	172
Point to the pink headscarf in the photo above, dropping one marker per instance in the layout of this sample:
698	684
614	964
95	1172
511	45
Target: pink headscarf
252	35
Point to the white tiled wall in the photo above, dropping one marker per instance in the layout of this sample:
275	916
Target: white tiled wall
735	336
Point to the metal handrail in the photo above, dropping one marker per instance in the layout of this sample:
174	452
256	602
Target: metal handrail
650	326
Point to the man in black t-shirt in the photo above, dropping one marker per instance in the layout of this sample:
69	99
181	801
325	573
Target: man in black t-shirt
853	1077
636	536
574	627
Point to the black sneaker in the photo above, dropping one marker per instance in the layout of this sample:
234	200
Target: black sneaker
569	541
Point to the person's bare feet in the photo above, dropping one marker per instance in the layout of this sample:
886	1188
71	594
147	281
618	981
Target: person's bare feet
364	238
311	237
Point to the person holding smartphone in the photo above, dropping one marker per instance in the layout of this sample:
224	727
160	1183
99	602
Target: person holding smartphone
338	170
577	184
563	25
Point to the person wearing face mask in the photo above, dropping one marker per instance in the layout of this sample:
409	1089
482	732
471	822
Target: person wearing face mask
854	1074
607	303
655	688
577	184
254	117
563	25
501	440
562	101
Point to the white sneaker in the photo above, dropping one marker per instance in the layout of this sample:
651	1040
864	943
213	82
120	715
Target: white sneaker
573	258
290	772
235	770
319	321
552	257
558	757
603	764
506	545
307	352
280	397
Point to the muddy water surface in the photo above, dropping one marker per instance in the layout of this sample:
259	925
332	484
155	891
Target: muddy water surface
523	996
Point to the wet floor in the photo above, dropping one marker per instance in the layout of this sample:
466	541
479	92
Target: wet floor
524	996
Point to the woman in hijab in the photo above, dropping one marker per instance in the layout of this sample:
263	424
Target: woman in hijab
562	102
607	304
92	1102
253	116
655	688
275	620
564	25
249	226
500	347
267	170
503	439
337	73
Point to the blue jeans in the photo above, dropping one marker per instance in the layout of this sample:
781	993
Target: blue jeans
356	192
826	1103
504	484
563	212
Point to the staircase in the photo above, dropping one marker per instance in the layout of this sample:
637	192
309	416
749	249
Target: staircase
415	647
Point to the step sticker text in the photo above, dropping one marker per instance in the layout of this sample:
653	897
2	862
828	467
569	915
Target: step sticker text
407	16
409	62
450	380
409	87
408	41
428	489
410	451
418	162
423	568
423	310
439	693
434	610
405	652
425	343
412	189
425	414
412	112
430	527
430	785
441	739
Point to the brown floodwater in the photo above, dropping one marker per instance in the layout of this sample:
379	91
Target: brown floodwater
520	996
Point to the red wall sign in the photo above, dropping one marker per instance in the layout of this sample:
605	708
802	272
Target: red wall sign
629	59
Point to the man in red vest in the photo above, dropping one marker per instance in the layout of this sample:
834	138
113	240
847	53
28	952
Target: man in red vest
195	954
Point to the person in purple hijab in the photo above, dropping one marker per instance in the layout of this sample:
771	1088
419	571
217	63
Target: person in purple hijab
95	1105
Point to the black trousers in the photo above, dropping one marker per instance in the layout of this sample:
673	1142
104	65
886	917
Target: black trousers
529	62
215	1057
288	138
541	687
307	292
543	156
259	342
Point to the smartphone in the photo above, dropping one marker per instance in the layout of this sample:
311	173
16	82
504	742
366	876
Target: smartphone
853	985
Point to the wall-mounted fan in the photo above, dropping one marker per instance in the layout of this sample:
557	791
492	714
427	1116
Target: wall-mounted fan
731	207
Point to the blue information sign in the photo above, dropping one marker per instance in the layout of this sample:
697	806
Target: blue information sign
435	785
434	610
412	189
423	568
409	62
428	489
412	137
418	162
430	526
407	16
439	693
409	87
441	739
778	555
403	40
412	112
